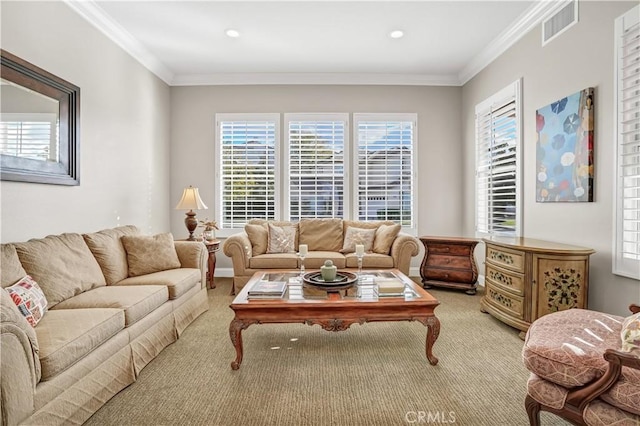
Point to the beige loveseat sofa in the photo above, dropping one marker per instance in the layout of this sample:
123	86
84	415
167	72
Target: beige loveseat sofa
102	325
251	251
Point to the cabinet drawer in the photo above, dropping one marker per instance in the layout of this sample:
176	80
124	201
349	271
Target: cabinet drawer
513	260
506	280
461	262
454	249
451	275
505	301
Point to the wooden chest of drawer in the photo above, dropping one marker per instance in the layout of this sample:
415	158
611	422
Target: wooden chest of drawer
449	262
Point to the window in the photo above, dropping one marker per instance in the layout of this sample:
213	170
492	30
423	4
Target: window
316	164
498	163
246	148
32	135
626	255
384	179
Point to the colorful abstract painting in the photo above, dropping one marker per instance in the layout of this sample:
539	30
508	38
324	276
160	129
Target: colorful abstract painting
564	149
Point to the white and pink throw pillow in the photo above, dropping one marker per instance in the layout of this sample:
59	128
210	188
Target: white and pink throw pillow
29	298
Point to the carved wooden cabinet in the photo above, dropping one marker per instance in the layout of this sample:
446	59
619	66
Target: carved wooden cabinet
526	279
449	262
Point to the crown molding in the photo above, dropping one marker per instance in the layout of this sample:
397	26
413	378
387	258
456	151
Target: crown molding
97	17
314	78
533	16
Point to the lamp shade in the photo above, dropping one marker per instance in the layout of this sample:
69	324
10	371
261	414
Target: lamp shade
191	200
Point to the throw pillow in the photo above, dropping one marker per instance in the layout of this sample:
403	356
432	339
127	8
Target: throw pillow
355	236
281	239
385	236
108	250
259	238
147	254
630	334
29	298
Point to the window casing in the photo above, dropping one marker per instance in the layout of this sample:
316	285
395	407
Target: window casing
247	152
316	146
498	147
626	253
310	174
384	166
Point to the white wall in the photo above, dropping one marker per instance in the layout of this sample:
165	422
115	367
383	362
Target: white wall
124	144
193	112
582	57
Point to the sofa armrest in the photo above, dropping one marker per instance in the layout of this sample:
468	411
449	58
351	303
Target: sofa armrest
193	254
404	247
19	363
616	360
238	248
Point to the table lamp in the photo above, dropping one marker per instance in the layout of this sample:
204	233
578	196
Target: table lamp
191	200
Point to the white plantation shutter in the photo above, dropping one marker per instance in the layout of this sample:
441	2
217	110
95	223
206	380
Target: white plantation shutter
29	135
247	152
316	165
627	251
385	167
497	163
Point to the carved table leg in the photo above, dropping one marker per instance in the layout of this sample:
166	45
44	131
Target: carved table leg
433	331
235	332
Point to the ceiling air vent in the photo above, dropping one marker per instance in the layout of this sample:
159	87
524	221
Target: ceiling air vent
560	21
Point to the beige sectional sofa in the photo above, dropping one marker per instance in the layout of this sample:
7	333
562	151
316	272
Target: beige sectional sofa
115	298
327	239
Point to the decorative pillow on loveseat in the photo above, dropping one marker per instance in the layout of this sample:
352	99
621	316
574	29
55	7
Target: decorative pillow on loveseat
356	236
385	236
630	334
147	254
29	298
281	239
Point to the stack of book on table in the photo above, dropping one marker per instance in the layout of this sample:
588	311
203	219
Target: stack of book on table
389	287
268	290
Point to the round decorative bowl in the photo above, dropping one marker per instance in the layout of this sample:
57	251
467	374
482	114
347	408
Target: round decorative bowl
343	280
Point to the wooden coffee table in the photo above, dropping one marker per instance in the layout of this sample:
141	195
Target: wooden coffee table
333	311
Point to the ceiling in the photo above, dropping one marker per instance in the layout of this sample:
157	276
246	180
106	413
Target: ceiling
184	42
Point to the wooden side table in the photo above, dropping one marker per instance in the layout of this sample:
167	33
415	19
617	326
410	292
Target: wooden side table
212	248
449	262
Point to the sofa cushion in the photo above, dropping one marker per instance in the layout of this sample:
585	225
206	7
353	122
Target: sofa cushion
274	261
370	261
566	347
630	334
62	265
546	393
281	239
29	298
136	301
599	413
358	236
67	335
321	234
147	254
385	236
178	281
109	251
625	393
315	259
12	269
259	237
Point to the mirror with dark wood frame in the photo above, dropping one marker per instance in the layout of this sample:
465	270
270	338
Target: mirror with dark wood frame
39	124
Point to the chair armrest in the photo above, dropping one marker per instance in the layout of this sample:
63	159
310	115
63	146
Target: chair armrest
634	308
238	248
193	254
19	363
616	360
404	247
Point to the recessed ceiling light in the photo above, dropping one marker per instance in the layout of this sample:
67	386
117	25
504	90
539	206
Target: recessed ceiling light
396	34
232	33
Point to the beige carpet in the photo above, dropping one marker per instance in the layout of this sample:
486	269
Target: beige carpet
371	374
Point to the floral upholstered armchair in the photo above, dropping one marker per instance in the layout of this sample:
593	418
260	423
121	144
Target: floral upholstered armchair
585	367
